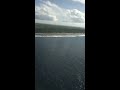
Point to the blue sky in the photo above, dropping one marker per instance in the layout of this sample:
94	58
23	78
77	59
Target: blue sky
70	11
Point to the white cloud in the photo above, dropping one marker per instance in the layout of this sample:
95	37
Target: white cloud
43	13
75	16
80	1
46	17
52	12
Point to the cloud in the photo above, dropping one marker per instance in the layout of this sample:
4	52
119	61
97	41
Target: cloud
46	17
76	16
80	1
52	12
43	13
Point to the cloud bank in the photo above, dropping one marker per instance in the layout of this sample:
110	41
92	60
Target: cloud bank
52	12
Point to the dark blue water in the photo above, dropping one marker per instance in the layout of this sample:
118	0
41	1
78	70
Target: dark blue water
60	63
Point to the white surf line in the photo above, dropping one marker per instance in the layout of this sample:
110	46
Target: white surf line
60	35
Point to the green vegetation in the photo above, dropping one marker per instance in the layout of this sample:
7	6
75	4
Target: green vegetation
47	28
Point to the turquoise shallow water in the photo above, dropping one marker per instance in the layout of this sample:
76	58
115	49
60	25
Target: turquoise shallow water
60	63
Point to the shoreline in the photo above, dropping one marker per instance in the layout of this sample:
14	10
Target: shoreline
59	34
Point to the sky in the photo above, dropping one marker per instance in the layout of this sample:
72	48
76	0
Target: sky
60	11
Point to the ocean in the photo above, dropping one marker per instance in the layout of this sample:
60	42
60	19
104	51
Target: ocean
60	63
